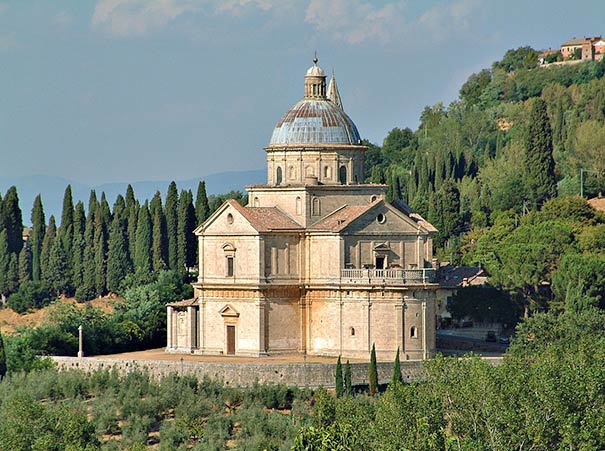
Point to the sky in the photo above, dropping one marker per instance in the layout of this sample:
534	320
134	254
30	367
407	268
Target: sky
130	90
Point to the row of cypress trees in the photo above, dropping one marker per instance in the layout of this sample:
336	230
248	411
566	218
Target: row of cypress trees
343	382
96	250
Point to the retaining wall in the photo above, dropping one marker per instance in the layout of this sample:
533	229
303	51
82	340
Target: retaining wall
243	374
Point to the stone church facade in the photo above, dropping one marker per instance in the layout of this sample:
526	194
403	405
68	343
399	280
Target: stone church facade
317	262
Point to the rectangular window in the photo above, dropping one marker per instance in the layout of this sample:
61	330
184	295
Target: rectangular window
229	266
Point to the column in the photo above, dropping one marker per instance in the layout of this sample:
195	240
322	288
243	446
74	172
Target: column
191	323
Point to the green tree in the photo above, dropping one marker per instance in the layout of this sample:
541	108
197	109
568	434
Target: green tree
25	264
202	208
57	275
347	379
373	372
142	258
100	252
37	236
471	90
13	222
158	245
339	386
539	165
66	229
49	239
78	245
171	218
446	215
397	377
118	264
186	238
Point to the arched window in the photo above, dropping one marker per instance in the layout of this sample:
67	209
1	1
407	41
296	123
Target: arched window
256	202
342	175
327	172
316	209
413	332
279	177
298	206
291	172
352	331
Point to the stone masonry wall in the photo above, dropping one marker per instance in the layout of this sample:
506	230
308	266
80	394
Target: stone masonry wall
244	374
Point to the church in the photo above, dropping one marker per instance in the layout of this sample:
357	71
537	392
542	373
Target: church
317	262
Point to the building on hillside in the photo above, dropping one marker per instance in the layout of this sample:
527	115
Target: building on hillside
318	262
592	48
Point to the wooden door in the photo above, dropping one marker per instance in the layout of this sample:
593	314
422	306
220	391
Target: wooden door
230	340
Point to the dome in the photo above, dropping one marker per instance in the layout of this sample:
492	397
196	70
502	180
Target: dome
315	121
315	71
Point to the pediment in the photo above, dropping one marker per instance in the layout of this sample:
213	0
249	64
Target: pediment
385	218
228	312
382	247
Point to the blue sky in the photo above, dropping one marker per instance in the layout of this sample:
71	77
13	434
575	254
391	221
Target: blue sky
130	90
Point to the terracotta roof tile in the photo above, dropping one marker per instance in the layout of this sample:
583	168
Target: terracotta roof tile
183	303
266	219
341	218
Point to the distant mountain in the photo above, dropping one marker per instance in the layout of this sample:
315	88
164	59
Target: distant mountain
52	188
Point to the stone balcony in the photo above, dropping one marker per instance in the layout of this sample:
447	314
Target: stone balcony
389	276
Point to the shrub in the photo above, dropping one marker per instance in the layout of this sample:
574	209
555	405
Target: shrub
31	295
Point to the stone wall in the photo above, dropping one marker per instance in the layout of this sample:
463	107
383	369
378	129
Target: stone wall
243	374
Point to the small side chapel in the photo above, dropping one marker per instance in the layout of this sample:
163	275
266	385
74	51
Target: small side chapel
317	262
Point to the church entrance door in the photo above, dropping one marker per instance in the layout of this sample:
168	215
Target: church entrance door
231	340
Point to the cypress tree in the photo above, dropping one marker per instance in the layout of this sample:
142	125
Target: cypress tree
186	224
142	258
397	377
66	230
25	264
172	208
373	372
157	249
131	231
78	245
13	221
347	378
105	211
47	244
202	208
12	275
4	264
87	288
2	358
118	265
445	213
93	203
119	210
37	236
339	387
130	199
57	275
100	252
539	165
79	218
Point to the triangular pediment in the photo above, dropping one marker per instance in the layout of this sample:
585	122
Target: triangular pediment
228	312
228	219
384	217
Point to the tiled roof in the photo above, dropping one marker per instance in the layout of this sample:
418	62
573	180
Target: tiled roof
183	303
266	219
341	218
580	41
404	208
461	276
